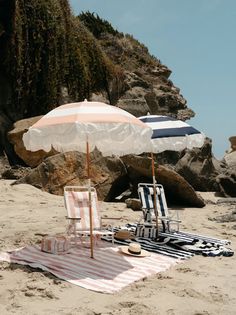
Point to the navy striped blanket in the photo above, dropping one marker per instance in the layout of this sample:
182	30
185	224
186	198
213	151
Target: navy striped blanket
179	245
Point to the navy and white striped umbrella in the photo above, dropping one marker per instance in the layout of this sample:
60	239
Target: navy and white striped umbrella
172	134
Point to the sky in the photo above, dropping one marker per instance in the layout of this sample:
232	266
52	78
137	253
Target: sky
195	39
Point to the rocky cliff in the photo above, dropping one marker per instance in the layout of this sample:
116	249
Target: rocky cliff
145	85
49	57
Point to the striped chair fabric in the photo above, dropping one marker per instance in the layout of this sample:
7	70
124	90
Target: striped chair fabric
77	203
146	196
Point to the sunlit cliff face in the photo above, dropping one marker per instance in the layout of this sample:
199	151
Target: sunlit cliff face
233	143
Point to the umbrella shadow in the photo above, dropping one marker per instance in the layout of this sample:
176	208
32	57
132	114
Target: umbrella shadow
107	264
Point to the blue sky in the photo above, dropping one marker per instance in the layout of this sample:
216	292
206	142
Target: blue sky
196	40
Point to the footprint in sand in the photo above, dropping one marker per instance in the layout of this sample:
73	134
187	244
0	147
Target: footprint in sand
127	304
189	292
195	272
184	269
133	308
160	276
41	293
38	291
218	297
15	306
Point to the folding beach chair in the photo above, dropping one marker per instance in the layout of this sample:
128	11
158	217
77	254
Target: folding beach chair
77	205
146	196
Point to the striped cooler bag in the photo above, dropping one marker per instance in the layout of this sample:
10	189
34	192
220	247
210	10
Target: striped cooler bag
148	231
55	244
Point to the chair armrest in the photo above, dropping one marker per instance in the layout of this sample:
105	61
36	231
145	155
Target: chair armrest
169	219
68	218
109	218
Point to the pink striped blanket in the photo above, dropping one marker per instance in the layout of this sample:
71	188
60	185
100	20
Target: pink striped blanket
108	272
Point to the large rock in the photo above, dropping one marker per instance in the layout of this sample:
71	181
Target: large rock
15	137
233	143
146	86
70	168
205	173
149	93
227	183
230	159
198	168
230	155
177	189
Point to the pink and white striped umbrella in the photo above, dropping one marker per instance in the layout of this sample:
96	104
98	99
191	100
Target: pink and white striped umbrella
86	125
69	127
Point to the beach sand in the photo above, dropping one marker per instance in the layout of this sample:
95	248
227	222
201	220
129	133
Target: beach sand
200	285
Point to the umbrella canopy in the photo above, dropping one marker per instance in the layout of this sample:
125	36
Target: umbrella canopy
172	134
69	127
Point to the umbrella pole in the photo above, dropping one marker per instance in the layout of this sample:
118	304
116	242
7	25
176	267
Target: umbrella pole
154	192
87	159
90	202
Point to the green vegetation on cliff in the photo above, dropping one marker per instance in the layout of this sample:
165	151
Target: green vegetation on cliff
122	49
48	49
96	25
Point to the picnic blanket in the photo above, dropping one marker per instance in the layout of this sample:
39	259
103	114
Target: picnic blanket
108	272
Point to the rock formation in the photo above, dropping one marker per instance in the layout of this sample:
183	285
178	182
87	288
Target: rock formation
111	176
146	86
205	173
15	137
177	189
70	168
197	168
233	143
227	179
230	156
98	63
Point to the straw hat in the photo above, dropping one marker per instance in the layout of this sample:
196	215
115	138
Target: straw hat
134	249
123	235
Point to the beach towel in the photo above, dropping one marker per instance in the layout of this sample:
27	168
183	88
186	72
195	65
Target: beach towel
163	247
108	272
178	244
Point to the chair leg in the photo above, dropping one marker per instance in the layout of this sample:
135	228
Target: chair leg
144	215
69	232
178	226
164	226
76	238
112	236
168	226
177	215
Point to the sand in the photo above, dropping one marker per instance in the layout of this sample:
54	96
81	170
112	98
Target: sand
200	285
